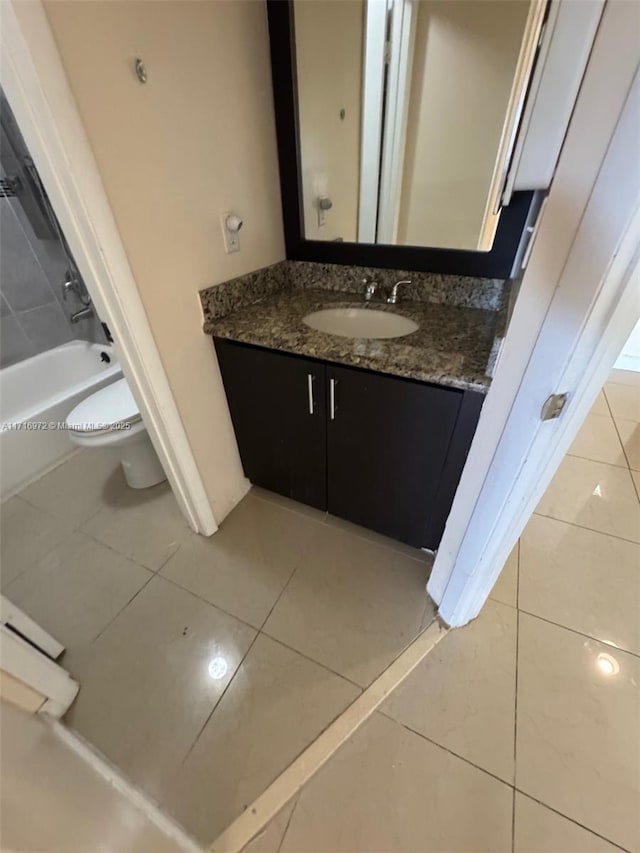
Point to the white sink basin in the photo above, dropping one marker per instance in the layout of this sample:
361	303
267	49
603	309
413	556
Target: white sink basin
360	323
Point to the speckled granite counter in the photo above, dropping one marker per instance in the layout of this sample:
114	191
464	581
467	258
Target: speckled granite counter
455	345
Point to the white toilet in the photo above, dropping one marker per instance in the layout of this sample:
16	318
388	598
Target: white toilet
111	418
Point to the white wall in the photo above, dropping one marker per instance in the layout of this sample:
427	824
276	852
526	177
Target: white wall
196	140
464	62
629	358
329	41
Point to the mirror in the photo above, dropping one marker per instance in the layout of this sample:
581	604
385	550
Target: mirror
407	116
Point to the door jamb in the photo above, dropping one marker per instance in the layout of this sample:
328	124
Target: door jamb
48	118
473	550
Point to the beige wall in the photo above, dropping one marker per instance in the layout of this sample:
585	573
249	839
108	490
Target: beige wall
196	140
464	63
329	38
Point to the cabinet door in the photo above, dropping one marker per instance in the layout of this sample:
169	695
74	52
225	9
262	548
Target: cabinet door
387	441
278	408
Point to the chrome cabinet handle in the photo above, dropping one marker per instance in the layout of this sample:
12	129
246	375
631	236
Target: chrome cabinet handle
310	380
332	398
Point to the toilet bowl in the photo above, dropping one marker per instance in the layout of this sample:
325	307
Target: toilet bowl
111	418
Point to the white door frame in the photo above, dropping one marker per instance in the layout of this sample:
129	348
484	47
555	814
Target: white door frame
12	616
394	132
573	314
48	118
373	67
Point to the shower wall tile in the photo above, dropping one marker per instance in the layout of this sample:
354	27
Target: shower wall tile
32	271
49	253
22	279
14	344
46	327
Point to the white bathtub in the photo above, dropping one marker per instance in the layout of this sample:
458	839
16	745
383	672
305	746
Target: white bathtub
43	390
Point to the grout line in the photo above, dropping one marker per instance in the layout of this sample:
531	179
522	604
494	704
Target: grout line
286	829
291	780
514	787
579	633
124	607
591	529
217	702
206	601
455	754
570	819
636	488
622	467
346	678
313	660
276	602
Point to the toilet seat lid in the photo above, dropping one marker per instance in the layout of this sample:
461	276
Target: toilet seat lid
103	410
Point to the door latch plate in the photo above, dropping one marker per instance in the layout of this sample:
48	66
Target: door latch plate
553	406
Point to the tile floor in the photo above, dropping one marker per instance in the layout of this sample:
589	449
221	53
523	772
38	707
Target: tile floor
520	731
206	665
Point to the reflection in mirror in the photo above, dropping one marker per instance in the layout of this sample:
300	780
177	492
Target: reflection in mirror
408	111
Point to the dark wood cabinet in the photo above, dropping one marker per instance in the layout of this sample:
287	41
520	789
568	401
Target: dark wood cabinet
381	451
387	442
278	408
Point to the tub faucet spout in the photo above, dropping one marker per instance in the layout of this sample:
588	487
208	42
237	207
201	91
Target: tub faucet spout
81	315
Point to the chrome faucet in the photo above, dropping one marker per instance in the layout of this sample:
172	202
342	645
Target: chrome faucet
392	298
82	314
369	290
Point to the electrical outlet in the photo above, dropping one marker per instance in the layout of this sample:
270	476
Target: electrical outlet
230	235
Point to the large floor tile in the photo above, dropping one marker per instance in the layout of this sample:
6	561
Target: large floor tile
26	535
390	791
593	495
150	681
505	588
276	705
539	830
586	581
577	748
77	589
143	524
625	377
600	406
624	401
598	440
353	606
630	437
75	490
463	694
636	480
244	567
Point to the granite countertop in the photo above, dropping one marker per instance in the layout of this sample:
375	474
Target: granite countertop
454	346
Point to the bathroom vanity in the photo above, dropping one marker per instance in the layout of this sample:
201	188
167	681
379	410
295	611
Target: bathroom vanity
346	392
372	430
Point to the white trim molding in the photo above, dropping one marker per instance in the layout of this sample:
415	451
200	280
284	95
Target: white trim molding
48	118
38	672
18	620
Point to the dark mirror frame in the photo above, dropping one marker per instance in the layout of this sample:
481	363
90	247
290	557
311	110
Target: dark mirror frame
498	263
